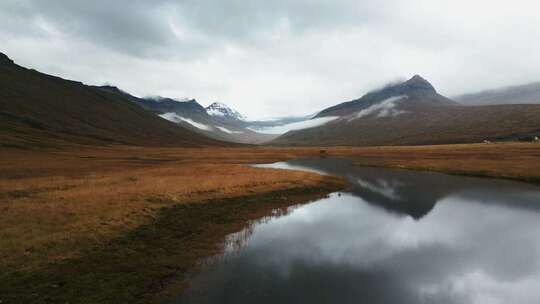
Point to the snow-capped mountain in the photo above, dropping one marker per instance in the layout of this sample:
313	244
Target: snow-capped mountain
219	109
217	121
167	99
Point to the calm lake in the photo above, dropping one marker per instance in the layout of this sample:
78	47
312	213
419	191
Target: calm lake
394	236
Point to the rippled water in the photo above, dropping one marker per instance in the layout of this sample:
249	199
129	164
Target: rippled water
394	236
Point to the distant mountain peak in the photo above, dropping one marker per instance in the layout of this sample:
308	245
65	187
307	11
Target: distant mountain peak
417	90
188	100
218	104
417	78
112	88
418	82
168	99
222	110
5	59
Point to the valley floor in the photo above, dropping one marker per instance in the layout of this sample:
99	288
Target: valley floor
510	160
127	224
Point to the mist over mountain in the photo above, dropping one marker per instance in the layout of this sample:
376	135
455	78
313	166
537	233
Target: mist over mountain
217	121
520	94
417	90
261	152
159	104
413	113
408	112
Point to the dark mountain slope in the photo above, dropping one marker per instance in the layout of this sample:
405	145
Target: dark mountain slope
41	110
159	105
413	113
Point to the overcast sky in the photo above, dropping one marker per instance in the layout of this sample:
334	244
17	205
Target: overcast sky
275	57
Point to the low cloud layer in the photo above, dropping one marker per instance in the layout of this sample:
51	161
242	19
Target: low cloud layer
269	58
171	116
306	124
386	108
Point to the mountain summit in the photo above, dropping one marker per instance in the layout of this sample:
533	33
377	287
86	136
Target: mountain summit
222	110
159	104
413	113
417	82
417	91
5	59
216	121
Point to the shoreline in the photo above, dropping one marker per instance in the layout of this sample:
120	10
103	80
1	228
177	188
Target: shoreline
534	180
84	201
509	161
180	237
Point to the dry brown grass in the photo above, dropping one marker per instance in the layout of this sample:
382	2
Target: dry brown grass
53	204
519	161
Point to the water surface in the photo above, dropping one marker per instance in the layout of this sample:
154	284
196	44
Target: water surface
394	236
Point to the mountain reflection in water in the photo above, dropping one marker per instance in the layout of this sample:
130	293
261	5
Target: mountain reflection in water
394	236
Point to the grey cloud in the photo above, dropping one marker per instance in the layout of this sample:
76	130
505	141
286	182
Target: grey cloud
236	18
145	28
16	21
262	56
132	27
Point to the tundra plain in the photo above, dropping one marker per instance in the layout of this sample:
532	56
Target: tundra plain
80	215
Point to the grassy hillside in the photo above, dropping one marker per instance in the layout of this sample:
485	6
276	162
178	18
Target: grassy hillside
413	113
436	125
39	110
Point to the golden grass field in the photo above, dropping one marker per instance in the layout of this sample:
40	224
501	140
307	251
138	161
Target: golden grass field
52	201
56	204
511	160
